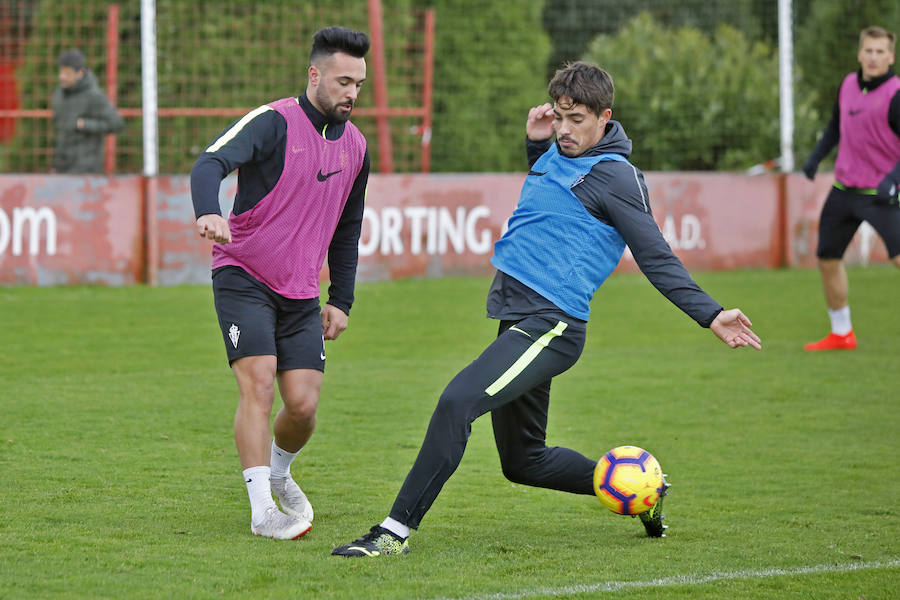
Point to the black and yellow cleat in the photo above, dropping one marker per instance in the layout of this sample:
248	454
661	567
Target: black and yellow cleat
377	542
653	518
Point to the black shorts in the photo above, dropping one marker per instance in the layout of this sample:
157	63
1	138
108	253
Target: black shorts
256	321
842	215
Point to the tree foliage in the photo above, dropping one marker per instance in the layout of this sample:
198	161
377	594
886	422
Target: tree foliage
210	54
489	70
572	24
692	101
692	93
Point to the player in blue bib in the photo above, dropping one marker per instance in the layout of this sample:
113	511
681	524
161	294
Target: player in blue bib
581	203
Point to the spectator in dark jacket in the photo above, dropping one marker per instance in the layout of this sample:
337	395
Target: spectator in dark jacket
82	116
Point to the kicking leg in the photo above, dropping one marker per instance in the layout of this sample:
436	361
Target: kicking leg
532	351
523	355
520	429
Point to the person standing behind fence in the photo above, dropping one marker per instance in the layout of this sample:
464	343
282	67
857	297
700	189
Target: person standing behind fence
82	117
303	169
866	123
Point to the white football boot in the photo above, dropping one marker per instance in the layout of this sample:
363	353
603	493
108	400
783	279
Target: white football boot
276	524
292	499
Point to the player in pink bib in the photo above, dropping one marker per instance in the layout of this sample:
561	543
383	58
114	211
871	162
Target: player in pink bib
302	173
866	122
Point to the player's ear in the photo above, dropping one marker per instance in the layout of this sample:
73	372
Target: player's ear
313	75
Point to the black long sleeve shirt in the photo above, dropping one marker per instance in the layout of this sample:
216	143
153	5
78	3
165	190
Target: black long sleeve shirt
615	193
257	149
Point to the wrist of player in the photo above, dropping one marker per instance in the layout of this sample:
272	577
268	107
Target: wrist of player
810	167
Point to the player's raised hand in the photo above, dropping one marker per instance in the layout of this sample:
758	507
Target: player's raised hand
214	227
539	125
733	328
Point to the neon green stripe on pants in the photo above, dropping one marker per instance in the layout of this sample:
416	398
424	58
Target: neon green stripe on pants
526	359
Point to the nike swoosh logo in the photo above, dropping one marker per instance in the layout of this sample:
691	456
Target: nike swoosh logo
514	328
853	113
322	177
537	173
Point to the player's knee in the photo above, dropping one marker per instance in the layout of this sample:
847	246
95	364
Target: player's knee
512	472
453	405
256	380
518	465
301	408
258	392
829	263
517	472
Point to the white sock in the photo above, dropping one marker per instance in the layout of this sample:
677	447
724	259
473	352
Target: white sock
281	462
396	527
257	480
840	321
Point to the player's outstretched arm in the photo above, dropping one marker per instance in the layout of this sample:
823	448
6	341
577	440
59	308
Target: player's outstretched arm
733	328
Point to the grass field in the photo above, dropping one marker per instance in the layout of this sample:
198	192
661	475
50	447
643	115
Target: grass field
120	478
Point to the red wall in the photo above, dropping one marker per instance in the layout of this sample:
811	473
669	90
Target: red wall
72	229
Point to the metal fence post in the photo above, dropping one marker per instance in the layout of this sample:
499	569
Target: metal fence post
151	141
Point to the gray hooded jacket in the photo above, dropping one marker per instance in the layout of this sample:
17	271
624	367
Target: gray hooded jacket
81	150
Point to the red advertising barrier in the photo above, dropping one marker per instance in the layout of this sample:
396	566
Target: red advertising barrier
70	229
802	218
716	221
76	229
183	255
434	225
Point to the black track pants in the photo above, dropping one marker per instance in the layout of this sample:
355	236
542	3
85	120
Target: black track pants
511	379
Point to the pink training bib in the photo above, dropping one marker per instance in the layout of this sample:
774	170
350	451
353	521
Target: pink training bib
869	148
284	239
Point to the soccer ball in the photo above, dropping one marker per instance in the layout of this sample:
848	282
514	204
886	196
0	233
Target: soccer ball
628	480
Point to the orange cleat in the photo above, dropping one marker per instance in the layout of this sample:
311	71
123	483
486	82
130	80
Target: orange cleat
834	342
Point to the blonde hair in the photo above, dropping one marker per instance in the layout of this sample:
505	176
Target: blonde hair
877	32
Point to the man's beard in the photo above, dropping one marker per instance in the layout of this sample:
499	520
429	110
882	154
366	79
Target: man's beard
330	109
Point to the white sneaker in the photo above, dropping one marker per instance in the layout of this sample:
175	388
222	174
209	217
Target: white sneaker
292	499
276	524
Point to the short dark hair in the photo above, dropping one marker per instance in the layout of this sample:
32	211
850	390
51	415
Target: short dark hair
339	39
584	83
72	58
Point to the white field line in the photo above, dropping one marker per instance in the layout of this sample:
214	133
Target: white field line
618	586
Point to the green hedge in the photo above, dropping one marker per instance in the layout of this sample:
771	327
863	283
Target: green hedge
692	94
488	60
572	24
489	70
692	101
